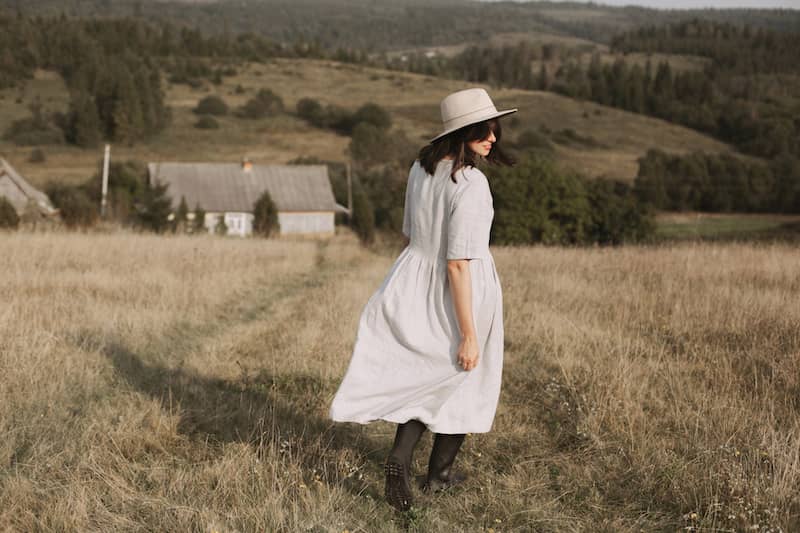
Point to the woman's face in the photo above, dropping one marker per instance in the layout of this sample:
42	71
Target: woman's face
483	146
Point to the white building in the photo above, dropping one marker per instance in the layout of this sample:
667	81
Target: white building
302	194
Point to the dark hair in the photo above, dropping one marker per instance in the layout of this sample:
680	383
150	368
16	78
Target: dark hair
455	145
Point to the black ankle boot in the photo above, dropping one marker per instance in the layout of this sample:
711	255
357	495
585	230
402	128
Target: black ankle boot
440	473
398	465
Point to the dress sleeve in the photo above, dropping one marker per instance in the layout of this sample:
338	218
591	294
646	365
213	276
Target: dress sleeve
470	219
407	207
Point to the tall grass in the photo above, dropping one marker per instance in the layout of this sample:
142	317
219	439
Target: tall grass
176	383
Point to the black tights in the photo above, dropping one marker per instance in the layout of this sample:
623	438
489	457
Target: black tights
405	440
445	448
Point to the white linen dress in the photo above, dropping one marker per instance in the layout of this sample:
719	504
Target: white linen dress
404	362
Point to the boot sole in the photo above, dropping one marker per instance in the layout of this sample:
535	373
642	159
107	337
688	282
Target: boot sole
398	489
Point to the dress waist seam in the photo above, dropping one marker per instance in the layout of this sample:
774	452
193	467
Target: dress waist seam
442	258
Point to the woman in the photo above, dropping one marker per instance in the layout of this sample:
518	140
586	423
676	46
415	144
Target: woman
429	349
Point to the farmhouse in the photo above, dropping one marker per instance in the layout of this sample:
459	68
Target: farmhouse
301	193
29	202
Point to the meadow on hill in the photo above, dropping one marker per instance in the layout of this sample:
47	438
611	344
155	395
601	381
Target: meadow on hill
182	383
599	140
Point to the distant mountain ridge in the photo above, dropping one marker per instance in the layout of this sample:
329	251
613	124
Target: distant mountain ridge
382	25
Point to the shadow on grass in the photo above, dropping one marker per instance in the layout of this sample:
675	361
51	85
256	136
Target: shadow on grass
257	411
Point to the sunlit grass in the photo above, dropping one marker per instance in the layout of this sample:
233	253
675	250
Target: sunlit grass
177	383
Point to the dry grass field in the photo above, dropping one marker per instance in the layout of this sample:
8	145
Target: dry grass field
620	137
170	383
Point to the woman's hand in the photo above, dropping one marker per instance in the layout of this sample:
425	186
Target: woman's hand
468	353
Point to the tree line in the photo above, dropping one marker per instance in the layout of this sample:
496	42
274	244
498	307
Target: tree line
718	183
380	25
115	94
746	95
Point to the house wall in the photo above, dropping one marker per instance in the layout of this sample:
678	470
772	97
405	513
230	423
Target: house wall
306	222
241	224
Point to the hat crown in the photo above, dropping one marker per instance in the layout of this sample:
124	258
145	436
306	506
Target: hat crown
466	102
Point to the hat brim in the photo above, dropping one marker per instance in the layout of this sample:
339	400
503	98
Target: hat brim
498	114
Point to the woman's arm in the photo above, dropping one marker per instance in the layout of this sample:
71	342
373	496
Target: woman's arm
461	289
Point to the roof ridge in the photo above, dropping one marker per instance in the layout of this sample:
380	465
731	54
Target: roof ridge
28	190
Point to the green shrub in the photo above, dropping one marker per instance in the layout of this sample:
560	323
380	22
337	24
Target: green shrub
617	217
206	122
76	208
37	156
373	114
8	215
569	136
265	103
127	182
265	216
718	183
372	146
211	105
312	111
34	130
536	202
533	140
340	119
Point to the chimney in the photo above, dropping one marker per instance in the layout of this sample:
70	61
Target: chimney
247	165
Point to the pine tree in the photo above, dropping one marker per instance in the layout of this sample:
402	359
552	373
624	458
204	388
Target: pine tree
153	207
127	115
147	102
221	228
199	220
83	127
635	90
544	79
663	87
363	218
181	216
265	216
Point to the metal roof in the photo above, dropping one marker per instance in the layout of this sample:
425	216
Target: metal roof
227	187
19	192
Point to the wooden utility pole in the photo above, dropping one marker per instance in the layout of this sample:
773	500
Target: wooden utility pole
106	159
349	193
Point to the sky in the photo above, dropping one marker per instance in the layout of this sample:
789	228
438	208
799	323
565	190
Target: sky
696	4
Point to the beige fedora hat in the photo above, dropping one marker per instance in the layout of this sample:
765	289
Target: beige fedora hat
466	107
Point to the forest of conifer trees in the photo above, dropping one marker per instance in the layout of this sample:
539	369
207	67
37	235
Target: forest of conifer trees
747	94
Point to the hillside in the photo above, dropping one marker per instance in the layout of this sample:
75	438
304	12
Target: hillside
608	140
